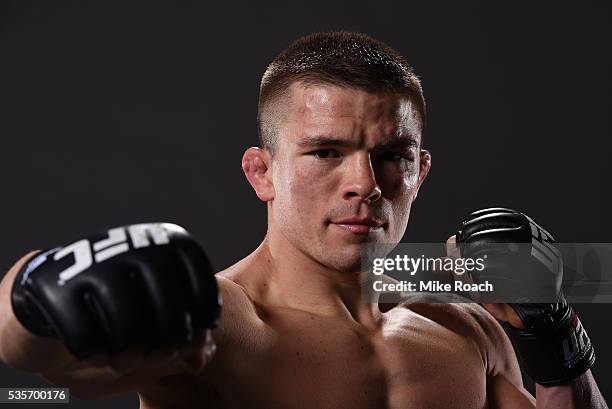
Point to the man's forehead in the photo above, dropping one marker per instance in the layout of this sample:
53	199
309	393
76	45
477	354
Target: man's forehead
333	99
318	107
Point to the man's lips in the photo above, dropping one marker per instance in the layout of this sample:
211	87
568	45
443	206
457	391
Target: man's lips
358	225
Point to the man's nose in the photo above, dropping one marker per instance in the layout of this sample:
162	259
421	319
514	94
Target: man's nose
360	179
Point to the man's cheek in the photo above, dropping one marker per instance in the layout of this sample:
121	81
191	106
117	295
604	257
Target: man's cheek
309	184
399	187
408	186
301	198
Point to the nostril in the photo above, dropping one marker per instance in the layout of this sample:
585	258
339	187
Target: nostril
374	195
369	197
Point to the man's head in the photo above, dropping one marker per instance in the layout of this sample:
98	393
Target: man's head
350	60
340	118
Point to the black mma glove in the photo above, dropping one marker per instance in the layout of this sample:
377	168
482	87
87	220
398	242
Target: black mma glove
554	347
144	285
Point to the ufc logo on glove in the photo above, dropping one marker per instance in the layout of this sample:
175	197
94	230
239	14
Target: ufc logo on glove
85	253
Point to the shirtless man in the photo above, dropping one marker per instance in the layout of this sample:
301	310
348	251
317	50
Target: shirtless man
341	118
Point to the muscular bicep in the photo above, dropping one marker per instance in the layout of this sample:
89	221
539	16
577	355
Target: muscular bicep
504	381
499	353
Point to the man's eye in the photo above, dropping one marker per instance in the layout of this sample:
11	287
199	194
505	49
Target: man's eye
326	153
394	156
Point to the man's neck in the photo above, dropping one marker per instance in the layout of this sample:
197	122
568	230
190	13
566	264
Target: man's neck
292	279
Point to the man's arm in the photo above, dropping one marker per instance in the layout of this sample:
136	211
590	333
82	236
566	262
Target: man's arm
115	320
580	393
505	389
504	382
22	350
547	335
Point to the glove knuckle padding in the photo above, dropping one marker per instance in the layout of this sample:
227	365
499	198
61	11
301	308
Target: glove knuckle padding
505	238
505	225
146	293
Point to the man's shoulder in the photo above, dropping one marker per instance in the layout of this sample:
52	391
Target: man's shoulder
466	317
239	281
473	321
240	288
233	290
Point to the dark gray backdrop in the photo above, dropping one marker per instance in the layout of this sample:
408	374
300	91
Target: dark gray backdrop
114	113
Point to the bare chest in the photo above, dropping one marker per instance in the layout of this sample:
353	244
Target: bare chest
314	363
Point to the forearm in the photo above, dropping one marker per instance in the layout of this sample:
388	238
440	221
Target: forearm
19	348
581	393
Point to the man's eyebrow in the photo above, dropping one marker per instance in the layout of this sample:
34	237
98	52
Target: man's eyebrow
322	140
402	141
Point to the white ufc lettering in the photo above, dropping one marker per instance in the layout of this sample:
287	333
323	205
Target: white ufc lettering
140	234
115	244
82	259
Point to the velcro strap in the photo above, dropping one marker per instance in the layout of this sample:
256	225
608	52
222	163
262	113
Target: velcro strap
555	356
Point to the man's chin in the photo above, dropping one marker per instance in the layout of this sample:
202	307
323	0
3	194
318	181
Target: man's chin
348	268
346	260
344	251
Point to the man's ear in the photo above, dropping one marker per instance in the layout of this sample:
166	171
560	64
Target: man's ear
256	167
425	165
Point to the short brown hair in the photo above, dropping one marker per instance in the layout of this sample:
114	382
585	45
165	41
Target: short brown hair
346	59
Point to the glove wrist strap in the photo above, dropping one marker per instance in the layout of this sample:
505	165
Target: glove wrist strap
555	353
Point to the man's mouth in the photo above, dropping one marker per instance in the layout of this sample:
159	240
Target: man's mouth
359	225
